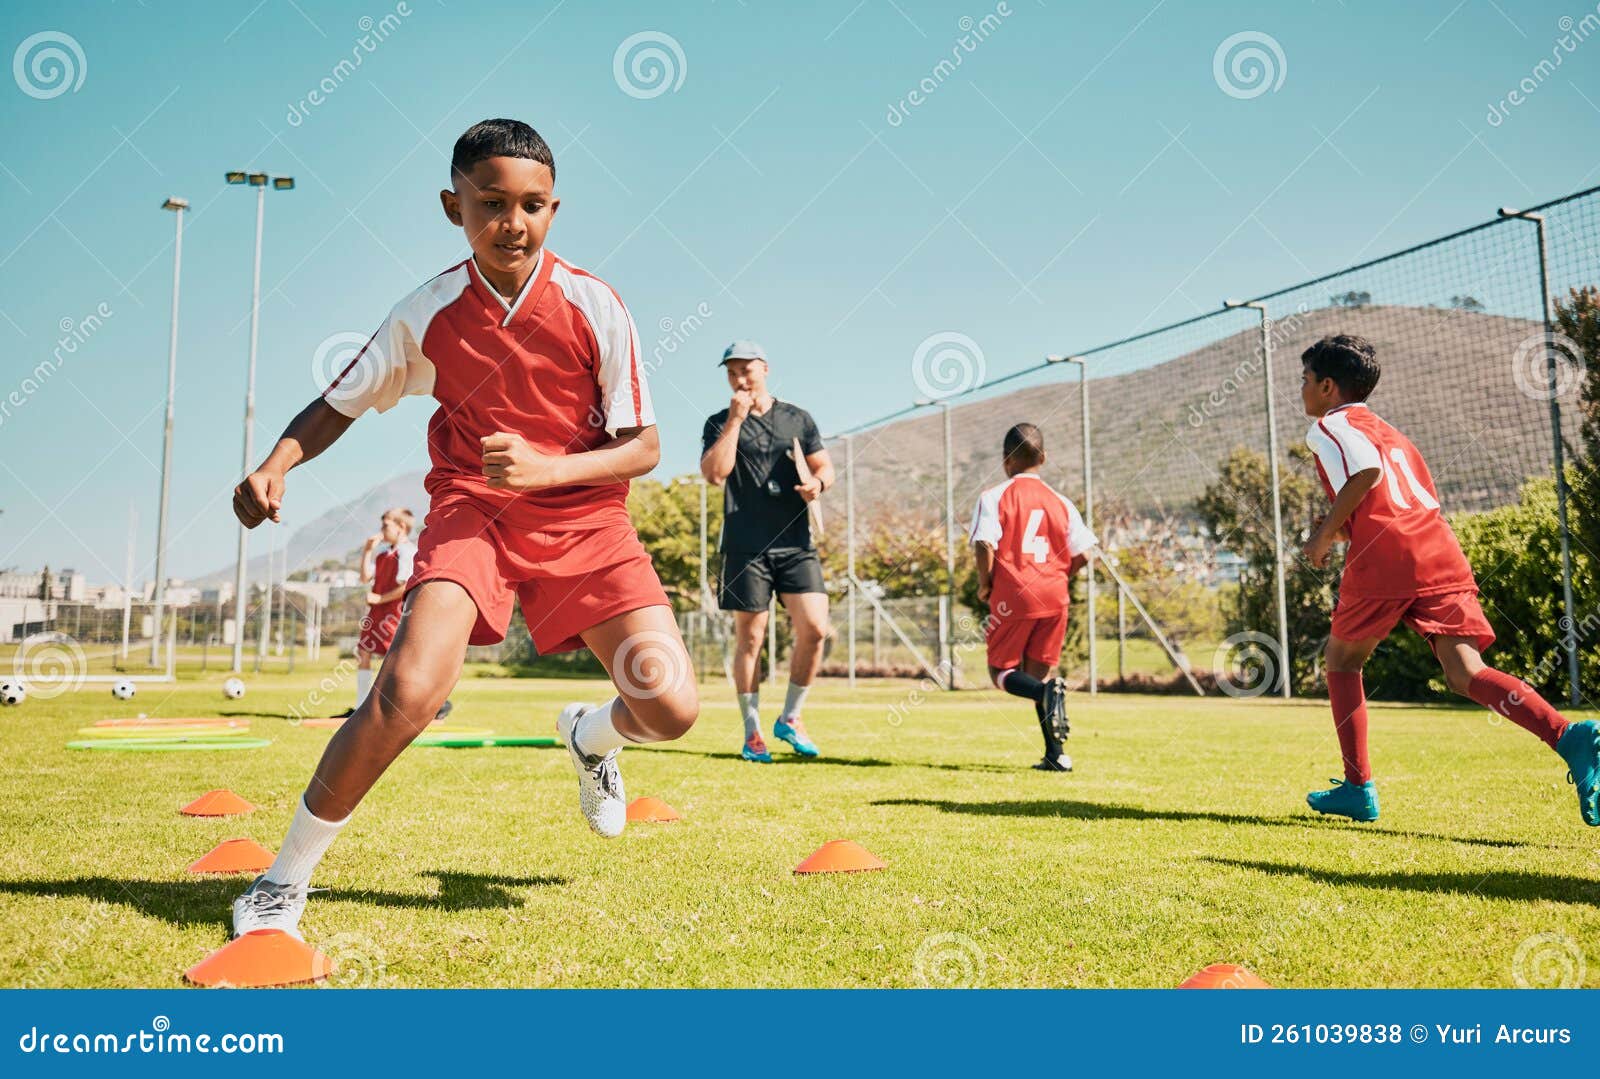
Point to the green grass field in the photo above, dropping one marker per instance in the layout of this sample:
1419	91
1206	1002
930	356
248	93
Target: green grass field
1181	840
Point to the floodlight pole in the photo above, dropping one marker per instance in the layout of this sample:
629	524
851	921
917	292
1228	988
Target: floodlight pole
1279	587
177	206
1559	454
946	594
705	575
241	598
1088	505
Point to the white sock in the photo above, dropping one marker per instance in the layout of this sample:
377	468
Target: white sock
308	838
363	684
795	700
750	710
595	734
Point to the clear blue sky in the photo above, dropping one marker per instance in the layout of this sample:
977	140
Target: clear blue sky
1079	176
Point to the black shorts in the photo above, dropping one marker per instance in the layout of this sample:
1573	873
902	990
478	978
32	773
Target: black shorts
749	579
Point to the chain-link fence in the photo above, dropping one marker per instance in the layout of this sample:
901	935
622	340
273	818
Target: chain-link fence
1182	489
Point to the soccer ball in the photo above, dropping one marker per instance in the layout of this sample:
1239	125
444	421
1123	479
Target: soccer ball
233	688
123	690
12	693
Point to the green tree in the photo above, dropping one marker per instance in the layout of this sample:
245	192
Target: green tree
1237	511
1578	319
667	517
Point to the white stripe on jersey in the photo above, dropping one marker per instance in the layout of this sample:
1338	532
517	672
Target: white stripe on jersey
392	365
624	393
1342	450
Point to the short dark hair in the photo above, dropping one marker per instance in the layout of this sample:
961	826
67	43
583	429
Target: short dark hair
1351	361
1024	446
500	138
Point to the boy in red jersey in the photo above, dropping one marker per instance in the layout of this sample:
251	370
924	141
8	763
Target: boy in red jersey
1403	564
386	562
544	417
1028	540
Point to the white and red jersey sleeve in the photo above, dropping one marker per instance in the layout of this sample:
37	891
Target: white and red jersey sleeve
624	391
1400	543
1035	532
392	365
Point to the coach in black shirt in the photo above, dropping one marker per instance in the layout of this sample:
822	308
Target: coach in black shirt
766	544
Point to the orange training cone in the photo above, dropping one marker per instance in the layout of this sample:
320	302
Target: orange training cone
264	957
218	803
234	856
840	856
649	810
1224	976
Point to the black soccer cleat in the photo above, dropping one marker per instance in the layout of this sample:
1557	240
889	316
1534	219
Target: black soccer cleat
1059	763
1052	712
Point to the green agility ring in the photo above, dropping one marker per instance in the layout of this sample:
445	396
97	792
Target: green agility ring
446	741
168	745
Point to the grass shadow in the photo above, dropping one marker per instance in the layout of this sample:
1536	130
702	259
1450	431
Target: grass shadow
209	900
1493	885
1075	810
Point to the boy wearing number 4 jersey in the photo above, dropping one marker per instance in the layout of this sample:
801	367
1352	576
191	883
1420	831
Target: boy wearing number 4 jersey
1028	540
1403	564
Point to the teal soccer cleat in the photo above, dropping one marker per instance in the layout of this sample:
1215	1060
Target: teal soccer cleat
755	749
1358	801
1579	746
790	729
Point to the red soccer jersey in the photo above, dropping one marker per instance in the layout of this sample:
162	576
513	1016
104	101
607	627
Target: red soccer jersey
1400	544
559	365
1035	533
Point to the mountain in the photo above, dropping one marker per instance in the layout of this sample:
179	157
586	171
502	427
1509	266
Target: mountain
1464	386
338	532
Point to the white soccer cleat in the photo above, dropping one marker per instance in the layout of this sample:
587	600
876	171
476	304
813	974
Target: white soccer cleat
266	905
600	795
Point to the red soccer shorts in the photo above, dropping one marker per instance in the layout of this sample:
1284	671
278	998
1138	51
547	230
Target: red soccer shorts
1011	637
378	626
567	582
1455	614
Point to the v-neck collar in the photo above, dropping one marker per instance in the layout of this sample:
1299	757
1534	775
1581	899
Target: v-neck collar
518	308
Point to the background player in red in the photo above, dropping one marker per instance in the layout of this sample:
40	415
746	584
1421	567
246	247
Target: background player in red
1403	564
544	416
1028	540
386	562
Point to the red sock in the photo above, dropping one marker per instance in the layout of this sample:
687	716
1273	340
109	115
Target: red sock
1519	702
1349	700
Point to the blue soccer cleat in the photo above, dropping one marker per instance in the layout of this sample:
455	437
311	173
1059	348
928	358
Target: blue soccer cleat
1579	746
1358	801
793	731
754	749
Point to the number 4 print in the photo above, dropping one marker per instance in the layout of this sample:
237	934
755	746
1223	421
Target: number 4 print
1032	542
1398	456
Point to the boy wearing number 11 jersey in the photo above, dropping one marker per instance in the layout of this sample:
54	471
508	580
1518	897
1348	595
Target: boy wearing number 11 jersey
1028	540
1403	564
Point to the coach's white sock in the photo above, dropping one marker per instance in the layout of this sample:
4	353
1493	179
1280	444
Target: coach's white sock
363	684
308	838
595	734
750	711
794	700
